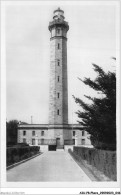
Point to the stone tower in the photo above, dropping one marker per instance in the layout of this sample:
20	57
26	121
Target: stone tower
58	94
57	134
58	105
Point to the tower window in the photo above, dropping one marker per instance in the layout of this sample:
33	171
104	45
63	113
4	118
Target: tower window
73	133
58	95
58	45
58	31
83	133
24	132
57	112
58	78
58	62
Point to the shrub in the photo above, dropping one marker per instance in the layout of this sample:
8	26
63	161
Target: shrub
16	154
104	161
104	146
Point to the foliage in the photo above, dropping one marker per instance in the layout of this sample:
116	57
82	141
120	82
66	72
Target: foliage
99	117
11	132
16	154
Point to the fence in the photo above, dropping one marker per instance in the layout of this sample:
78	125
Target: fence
46	141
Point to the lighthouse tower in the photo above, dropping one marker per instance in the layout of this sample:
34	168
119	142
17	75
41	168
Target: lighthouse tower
57	134
58	94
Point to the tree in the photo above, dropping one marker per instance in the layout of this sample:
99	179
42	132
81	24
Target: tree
99	117
11	132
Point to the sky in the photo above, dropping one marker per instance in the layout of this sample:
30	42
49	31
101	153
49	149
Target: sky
91	39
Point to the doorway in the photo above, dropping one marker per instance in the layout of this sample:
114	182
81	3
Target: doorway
58	141
52	147
33	141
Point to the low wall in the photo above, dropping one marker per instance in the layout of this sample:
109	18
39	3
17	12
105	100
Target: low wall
103	160
43	148
84	146
66	147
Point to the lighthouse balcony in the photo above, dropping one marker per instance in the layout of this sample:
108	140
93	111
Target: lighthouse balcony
57	23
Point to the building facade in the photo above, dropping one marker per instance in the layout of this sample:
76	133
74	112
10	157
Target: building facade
57	133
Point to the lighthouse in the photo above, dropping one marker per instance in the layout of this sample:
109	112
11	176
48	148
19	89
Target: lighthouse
58	90
57	134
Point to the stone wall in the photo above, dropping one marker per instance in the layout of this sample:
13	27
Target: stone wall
58	96
58	92
66	147
43	148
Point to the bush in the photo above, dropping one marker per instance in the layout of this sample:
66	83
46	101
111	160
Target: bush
16	154
104	161
104	146
18	145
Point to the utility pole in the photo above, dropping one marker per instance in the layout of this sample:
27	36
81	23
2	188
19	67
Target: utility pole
31	119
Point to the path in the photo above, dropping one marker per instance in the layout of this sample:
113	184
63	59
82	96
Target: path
50	166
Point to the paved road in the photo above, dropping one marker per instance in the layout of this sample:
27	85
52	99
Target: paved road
50	166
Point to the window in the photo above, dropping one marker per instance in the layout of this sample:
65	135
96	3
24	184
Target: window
57	112
33	141
33	133
42	141
58	62
58	78
83	133
58	31
73	133
58	45
24	140
58	95
39	141
24	132
42	133
83	141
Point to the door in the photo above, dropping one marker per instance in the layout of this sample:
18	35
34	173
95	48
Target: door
33	141
58	141
73	141
52	147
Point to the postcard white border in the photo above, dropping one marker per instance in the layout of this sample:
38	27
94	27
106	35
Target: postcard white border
60	185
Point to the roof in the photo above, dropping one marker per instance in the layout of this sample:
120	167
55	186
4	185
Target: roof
48	126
